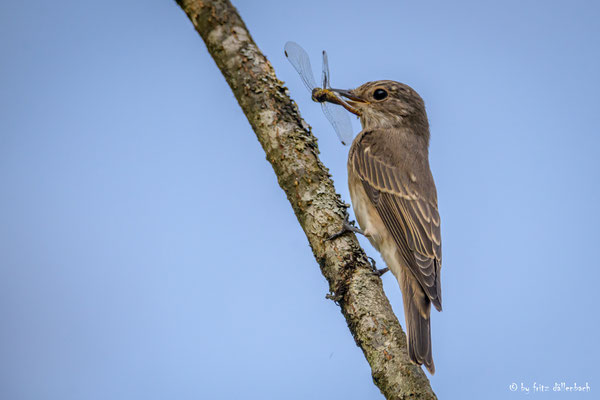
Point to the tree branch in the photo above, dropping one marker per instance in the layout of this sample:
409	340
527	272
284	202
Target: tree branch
292	150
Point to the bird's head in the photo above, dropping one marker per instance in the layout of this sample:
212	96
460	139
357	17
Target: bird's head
385	104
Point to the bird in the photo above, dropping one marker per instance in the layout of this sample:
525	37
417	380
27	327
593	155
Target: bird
394	198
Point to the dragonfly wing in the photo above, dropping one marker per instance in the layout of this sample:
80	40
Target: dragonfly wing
340	120
325	81
335	114
300	61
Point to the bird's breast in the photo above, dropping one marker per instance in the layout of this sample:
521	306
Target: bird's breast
365	212
371	223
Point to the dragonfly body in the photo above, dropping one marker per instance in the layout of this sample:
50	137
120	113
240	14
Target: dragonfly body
320	95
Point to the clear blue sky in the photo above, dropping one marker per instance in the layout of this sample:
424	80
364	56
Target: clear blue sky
146	251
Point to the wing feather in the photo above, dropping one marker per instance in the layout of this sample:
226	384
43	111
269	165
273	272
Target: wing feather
410	216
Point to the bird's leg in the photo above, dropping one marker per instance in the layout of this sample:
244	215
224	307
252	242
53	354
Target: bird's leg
376	271
347	226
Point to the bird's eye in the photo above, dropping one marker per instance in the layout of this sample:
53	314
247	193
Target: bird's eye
379	94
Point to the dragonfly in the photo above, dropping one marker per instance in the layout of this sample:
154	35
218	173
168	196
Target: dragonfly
335	113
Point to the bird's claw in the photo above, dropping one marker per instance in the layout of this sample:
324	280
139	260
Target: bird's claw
376	271
347	226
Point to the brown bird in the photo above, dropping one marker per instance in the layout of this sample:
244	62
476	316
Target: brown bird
394	198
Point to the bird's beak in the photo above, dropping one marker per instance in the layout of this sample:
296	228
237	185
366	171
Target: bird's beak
351	100
347	94
344	98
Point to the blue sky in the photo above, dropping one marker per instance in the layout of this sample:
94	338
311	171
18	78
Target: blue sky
146	250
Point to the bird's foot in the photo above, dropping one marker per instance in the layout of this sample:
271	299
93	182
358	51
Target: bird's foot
347	226
376	271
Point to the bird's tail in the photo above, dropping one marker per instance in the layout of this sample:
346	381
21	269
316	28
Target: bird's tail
417	308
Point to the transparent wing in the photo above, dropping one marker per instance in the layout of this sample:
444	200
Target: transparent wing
337	116
340	120
300	61
326	83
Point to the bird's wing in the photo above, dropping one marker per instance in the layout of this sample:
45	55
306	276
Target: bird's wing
409	214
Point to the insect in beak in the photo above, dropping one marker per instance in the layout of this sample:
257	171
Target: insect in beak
335	96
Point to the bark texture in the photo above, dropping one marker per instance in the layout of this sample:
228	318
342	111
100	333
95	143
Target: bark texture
292	151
